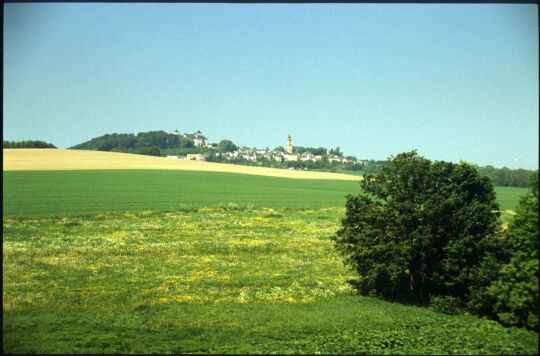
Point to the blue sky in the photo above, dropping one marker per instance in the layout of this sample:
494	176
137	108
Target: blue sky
456	82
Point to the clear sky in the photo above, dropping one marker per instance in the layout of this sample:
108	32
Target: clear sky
456	82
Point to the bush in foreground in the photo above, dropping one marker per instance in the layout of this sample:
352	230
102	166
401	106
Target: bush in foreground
424	228
516	290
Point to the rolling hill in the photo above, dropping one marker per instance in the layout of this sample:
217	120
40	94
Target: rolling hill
62	159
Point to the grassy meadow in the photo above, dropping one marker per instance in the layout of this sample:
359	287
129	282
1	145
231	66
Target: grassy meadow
75	192
163	261
211	280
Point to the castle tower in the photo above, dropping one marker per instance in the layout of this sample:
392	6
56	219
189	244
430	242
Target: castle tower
289	144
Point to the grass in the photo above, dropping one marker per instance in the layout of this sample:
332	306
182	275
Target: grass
38	193
508	197
63	193
211	280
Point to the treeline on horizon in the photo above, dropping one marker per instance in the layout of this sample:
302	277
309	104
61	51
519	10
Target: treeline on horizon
27	144
160	143
506	177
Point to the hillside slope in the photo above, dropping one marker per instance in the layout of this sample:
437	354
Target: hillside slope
63	159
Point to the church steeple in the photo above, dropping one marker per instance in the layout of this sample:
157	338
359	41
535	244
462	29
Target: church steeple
289	144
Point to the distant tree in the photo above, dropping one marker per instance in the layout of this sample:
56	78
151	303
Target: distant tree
319	151
173	141
27	144
506	177
373	166
227	146
187	142
150	151
336	152
515	291
420	228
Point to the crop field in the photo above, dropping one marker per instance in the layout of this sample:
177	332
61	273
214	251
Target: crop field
62	159
211	280
187	261
41	193
37	193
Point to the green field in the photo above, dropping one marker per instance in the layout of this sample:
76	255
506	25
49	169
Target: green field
42	193
38	193
142	261
211	280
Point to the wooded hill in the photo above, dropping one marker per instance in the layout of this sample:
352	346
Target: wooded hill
160	143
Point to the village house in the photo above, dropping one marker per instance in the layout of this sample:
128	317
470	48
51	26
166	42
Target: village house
306	156
195	157
277	156
332	158
254	154
251	156
290	157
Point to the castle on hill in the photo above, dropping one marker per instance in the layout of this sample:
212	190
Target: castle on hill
199	140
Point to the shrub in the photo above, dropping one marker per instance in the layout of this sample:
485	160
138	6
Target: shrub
446	304
422	228
515	291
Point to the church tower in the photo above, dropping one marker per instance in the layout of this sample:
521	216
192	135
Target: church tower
289	144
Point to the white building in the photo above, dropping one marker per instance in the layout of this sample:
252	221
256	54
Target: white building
198	139
195	157
306	156
332	158
290	157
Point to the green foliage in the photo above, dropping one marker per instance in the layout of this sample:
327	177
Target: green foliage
142	143
149	151
186	142
213	281
319	151
227	146
515	292
336	152
446	304
422	228
506	177
27	144
373	166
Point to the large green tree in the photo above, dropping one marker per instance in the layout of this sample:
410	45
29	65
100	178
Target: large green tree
516	289
422	228
227	146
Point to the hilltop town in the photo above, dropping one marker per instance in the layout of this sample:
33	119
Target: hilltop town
288	154
196	146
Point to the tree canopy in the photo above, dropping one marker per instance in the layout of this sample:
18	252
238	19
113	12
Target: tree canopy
27	144
227	146
506	177
515	291
421	228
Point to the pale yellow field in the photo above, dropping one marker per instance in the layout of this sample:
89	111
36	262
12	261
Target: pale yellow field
63	159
